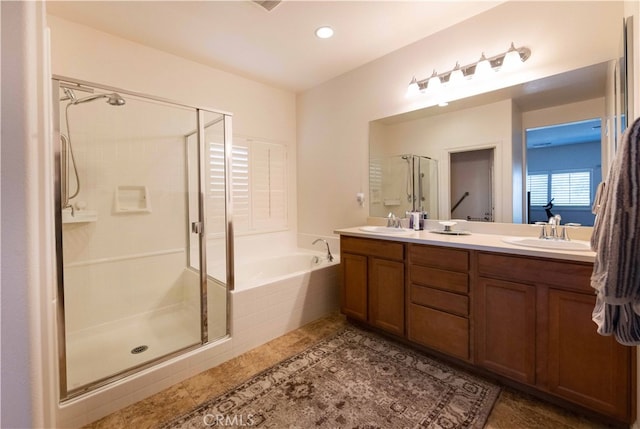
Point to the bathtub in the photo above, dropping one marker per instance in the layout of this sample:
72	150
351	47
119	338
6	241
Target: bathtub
262	272
277	294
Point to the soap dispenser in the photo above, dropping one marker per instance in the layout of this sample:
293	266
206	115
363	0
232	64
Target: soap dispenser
416	221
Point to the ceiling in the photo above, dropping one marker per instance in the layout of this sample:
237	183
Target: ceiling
588	131
277	47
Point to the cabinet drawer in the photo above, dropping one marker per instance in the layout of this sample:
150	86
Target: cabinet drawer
380	248
439	299
439	257
439	330
565	274
441	279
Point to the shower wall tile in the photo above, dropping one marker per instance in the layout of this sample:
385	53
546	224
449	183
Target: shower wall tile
106	292
130	146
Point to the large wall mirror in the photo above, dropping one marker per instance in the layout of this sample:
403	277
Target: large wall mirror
544	141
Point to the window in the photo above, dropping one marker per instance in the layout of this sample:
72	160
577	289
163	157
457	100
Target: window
571	189
538	187
566	188
258	185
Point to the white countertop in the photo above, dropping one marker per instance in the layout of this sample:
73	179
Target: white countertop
475	241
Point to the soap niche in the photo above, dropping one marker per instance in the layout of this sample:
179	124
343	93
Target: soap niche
132	199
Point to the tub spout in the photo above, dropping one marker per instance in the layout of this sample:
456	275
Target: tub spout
329	255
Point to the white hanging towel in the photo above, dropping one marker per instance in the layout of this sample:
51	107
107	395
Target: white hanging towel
616	241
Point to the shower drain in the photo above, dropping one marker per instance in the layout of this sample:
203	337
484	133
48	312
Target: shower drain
139	349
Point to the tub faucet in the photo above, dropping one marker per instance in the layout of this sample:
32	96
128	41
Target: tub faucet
329	255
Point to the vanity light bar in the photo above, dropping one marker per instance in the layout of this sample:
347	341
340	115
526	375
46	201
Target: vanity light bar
496	63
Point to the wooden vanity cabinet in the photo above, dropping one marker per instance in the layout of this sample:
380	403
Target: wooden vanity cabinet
373	282
533	325
438	304
526	319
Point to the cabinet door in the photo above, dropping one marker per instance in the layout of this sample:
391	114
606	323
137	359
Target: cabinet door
505	328
584	366
386	295
354	286
439	330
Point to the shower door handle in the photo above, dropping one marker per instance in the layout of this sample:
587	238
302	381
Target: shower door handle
197	227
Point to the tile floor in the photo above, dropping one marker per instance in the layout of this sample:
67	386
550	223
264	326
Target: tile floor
512	409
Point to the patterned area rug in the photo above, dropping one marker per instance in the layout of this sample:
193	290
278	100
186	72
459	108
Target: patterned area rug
353	379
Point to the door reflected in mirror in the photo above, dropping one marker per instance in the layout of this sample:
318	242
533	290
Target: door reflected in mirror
472	185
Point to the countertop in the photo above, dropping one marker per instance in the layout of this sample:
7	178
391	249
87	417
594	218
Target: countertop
475	241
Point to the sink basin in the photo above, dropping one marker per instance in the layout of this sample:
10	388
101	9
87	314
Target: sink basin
386	230
549	244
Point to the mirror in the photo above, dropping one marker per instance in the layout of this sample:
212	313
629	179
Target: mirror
400	184
496	121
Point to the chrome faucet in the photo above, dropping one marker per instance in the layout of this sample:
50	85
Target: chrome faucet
393	221
329	255
555	228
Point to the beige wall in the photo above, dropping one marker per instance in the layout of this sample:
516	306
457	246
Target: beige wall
83	53
259	111
333	118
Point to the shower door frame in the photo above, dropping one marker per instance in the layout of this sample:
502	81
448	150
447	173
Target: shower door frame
57	81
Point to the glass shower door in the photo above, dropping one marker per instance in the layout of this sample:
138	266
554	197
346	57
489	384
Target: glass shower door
131	293
403	183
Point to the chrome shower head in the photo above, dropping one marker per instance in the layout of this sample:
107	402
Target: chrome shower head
114	99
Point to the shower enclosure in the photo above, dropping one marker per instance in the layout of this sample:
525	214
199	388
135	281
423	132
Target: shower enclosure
142	196
403	183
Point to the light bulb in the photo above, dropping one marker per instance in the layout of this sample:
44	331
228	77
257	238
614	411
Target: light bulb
413	89
324	32
434	82
512	59
483	68
456	77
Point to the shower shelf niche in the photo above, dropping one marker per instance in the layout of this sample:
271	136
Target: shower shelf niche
79	216
132	199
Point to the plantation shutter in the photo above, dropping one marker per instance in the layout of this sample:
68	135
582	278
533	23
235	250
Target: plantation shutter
258	186
571	188
538	186
215	201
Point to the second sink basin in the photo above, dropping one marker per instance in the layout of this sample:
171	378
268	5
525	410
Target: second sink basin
386	230
549	244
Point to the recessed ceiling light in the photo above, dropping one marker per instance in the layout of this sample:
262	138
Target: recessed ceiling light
324	32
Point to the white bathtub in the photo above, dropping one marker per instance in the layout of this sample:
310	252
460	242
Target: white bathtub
275	295
272	269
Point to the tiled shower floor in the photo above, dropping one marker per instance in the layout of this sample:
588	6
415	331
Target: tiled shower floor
96	353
